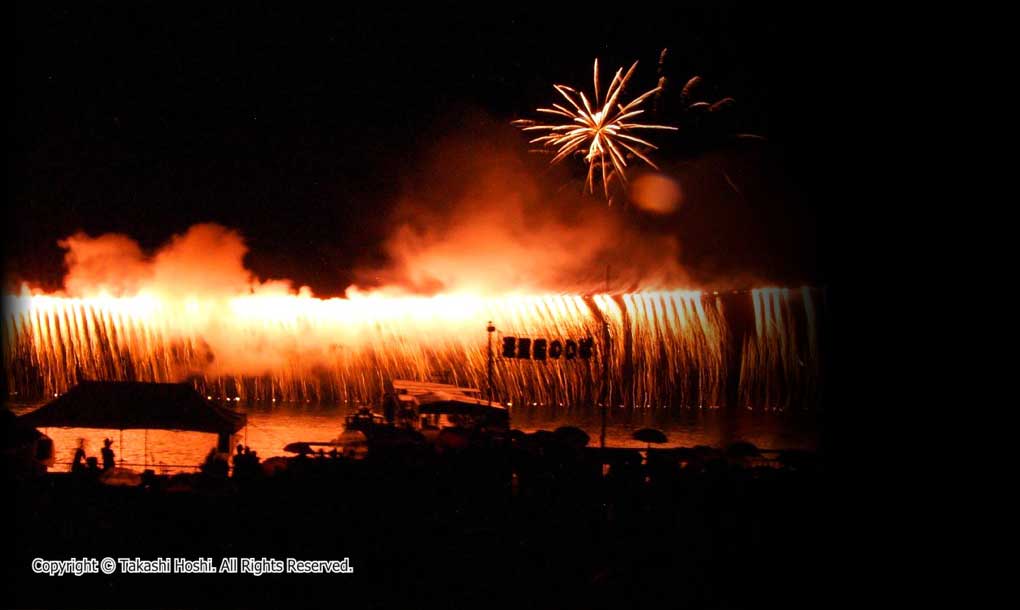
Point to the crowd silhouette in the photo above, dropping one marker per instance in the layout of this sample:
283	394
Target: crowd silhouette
500	517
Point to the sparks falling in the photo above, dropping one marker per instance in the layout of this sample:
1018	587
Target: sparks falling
602	129
652	348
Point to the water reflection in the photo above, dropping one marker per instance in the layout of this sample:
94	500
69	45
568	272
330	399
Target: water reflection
270	427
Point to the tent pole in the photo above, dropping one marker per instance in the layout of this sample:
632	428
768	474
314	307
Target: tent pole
145	457
120	447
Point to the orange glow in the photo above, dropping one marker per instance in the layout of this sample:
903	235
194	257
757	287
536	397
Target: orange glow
656	193
664	346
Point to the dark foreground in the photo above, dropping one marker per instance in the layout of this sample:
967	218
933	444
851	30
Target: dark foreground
451	530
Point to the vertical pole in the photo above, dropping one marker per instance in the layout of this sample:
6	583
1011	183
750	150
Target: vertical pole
120	447
145	450
490	329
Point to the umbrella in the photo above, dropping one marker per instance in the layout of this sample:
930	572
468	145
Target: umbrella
741	449
298	447
650	435
572	435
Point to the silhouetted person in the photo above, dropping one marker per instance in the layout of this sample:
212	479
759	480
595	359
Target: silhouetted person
108	462
78	465
93	466
253	463
215	464
245	463
239	461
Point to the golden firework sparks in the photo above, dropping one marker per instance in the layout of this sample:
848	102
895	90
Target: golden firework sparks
603	127
295	347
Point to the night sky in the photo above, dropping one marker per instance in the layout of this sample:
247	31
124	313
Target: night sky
300	128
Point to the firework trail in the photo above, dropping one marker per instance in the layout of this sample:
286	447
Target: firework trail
652	348
602	128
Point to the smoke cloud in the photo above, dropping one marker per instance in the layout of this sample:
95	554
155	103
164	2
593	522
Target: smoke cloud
482	217
205	261
485	216
111	263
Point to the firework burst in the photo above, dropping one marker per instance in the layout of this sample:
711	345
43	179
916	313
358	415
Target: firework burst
601	129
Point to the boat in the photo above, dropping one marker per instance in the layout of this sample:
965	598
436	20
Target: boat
415	413
432	408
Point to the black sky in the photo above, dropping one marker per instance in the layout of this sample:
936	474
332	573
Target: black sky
299	127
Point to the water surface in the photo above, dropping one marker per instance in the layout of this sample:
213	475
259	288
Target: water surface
270	428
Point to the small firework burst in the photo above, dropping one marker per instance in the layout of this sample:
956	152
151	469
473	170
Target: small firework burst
601	129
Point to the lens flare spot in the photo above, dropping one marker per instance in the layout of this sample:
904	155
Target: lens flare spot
657	194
